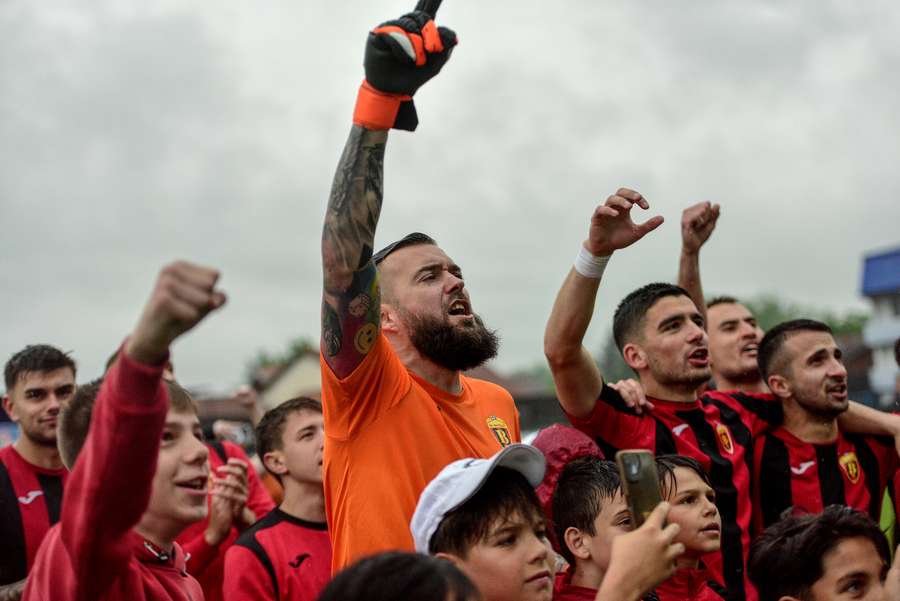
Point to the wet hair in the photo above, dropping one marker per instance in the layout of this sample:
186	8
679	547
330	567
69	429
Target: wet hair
788	558
505	494
400	576
629	317
35	357
583	487
665	467
408	240
270	428
721	300
770	356
75	418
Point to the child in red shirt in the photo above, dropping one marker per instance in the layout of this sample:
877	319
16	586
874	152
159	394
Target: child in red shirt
141	473
286	554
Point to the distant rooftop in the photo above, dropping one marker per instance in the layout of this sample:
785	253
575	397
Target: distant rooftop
881	273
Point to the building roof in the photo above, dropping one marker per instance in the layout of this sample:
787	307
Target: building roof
881	273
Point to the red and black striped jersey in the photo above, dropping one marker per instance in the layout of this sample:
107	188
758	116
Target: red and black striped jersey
30	500
280	557
853	470
717	430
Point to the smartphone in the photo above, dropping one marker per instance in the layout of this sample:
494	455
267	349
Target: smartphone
640	482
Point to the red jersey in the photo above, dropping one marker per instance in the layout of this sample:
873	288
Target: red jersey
93	554
690	584
280	557
207	563
30	500
717	430
853	470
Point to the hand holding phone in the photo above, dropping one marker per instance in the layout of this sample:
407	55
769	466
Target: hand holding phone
640	483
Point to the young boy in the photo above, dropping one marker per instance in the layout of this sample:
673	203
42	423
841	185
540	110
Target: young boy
287	554
686	486
484	516
839	554
594	527
141	473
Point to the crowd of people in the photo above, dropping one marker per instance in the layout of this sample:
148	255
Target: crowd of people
409	480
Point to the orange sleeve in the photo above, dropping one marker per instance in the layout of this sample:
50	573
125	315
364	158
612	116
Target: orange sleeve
375	386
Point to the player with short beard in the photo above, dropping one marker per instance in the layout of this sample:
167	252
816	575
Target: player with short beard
398	326
40	379
808	462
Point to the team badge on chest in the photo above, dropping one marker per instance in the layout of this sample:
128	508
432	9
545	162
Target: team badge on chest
724	436
850	465
500	430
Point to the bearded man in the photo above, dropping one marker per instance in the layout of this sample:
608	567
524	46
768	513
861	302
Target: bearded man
398	326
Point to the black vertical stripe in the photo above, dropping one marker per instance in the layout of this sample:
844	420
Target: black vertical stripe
831	482
721	473
13	556
775	471
53	493
868	465
665	440
263	557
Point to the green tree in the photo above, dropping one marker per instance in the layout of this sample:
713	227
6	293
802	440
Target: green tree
771	310
297	347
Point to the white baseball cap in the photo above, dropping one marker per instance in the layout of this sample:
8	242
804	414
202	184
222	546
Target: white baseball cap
460	480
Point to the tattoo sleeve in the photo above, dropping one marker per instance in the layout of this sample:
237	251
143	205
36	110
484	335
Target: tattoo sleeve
351	307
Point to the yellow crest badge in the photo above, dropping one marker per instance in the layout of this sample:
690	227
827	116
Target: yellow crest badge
500	430
850	465
724	436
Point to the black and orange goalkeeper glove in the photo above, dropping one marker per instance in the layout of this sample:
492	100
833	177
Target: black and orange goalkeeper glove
401	56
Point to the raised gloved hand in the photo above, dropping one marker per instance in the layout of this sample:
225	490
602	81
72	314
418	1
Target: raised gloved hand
401	55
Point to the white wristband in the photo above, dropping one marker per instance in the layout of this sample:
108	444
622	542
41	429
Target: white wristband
590	266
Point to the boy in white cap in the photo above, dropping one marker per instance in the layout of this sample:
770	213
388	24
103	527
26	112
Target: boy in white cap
483	516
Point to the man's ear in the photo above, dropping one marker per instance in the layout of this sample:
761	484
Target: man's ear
274	462
389	319
634	356
577	543
779	386
7	406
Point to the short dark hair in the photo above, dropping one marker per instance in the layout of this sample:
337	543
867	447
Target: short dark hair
630	314
407	240
75	418
400	576
505	493
770	357
665	467
721	300
35	357
270	428
584	484
787	559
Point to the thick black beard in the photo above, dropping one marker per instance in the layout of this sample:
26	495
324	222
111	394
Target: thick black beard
457	348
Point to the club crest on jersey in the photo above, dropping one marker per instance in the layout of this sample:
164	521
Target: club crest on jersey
724	436
850	465
500	430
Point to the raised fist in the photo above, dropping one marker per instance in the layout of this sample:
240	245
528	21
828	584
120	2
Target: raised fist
401	55
184	294
697	223
611	224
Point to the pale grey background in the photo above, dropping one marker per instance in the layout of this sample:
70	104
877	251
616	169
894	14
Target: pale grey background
133	133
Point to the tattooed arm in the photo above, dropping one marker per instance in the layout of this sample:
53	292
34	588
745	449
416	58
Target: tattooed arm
351	298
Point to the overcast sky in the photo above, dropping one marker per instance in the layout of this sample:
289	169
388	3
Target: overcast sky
133	133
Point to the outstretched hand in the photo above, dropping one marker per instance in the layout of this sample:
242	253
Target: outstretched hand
612	227
697	224
184	294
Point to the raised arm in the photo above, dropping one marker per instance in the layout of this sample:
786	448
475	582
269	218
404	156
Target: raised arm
576	376
697	223
401	55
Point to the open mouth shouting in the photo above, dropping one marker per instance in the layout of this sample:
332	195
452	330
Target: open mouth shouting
750	350
699	357
837	391
460	307
711	530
